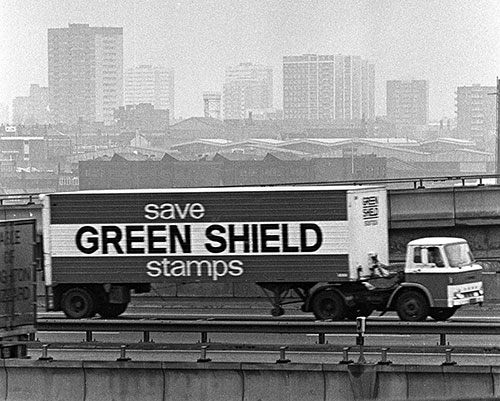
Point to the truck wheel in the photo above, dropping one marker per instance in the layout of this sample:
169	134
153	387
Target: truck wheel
111	310
328	305
78	303
412	306
441	314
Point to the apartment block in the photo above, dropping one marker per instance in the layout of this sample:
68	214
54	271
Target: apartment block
85	73
328	87
150	84
407	102
32	109
212	104
476	111
247	86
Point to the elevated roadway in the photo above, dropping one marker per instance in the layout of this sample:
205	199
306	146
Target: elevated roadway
471	212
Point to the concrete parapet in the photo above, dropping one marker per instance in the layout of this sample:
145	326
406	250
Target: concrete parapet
203	381
34	380
23	380
269	382
124	381
449	382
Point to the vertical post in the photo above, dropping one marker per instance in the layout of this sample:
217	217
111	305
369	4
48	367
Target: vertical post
123	354
345	356
361	328
283	358
203	354
442	339
448	361
383	358
497	156
45	356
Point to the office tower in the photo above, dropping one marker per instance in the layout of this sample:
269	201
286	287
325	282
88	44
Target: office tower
85	73
247	86
150	84
407	102
211	104
32	109
476	111
328	87
4	114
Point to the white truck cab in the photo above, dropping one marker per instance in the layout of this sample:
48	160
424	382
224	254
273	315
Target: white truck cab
445	267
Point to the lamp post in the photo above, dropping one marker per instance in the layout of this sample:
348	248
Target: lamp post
497	153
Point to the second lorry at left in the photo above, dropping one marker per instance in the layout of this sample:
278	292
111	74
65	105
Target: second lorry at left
325	247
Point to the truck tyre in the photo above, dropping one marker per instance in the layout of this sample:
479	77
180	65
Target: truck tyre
412	306
441	314
328	304
111	310
78	303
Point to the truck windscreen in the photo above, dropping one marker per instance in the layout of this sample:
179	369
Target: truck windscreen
459	255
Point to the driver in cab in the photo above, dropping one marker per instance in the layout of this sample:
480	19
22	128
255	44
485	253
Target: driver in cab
434	256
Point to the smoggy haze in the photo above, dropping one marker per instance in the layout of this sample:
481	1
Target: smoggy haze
449	43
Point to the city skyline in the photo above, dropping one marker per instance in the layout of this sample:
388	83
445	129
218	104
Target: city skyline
438	41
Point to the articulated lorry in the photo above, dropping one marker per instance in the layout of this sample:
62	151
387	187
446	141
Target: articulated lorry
325	247
17	286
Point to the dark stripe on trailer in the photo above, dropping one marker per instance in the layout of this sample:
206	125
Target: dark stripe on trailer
258	206
282	268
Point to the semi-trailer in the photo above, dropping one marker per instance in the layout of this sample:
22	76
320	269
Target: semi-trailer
325	247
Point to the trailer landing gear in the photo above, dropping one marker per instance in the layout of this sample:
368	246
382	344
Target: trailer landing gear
277	311
276	293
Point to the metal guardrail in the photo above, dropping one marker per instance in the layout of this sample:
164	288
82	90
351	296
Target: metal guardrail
276	327
20	200
417	182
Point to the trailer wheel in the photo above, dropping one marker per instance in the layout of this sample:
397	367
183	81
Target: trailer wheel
328	304
111	310
412	306
441	314
78	303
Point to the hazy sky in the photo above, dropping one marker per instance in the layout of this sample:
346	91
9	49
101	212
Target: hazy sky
450	43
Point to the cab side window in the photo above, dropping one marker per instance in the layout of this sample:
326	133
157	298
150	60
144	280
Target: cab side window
434	256
417	255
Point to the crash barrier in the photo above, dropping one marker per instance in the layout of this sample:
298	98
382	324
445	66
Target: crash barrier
54	380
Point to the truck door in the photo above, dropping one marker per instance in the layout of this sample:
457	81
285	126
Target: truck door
428	270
